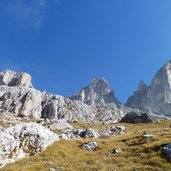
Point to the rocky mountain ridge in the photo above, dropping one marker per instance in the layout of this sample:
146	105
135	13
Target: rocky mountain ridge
94	102
156	97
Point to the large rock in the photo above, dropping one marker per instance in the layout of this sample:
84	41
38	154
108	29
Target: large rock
17	95
20	101
155	98
23	140
137	116
89	146
12	78
87	133
167	151
60	125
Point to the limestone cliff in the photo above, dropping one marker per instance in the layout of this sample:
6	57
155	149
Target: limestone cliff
155	98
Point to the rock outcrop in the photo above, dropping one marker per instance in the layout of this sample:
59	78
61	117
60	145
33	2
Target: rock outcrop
19	98
155	98
23	140
12	78
59	107
102	101
98	92
137	116
20	101
17	95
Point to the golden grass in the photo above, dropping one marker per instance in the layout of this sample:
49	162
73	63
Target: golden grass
138	153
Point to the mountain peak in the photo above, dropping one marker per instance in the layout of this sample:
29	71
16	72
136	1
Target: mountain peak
157	96
97	92
100	86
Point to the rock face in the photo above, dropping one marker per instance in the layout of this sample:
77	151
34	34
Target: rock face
155	98
20	101
19	98
17	95
98	92
95	102
142	117
11	78
59	107
101	100
23	140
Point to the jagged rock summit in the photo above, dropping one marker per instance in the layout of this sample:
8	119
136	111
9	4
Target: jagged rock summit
102	101
155	98
98	92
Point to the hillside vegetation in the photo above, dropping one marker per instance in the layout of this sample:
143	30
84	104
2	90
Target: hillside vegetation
139	153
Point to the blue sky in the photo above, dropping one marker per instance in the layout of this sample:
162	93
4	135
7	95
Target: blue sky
64	44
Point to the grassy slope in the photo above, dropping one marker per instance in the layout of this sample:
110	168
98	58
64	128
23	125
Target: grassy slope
138	153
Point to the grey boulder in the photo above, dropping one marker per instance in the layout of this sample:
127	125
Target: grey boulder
60	125
137	116
87	133
89	146
167	151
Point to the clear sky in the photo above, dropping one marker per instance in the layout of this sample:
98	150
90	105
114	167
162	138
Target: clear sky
63	44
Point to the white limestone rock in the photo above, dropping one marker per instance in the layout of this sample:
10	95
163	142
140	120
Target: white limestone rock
97	92
117	150
24	139
94	103
17	95
59	107
60	125
102	100
155	98
148	135
12	78
19	101
89	146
